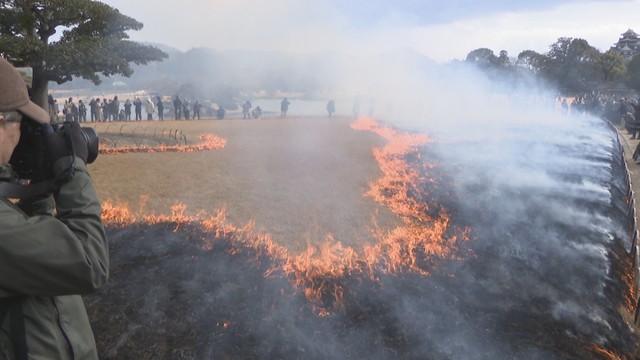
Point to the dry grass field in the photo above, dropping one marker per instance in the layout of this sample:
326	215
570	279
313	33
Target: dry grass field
299	178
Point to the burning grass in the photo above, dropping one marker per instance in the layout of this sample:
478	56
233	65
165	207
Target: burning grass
207	142
195	286
407	248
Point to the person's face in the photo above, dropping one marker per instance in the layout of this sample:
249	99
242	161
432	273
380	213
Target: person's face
9	134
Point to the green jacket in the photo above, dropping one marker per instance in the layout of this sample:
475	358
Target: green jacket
49	262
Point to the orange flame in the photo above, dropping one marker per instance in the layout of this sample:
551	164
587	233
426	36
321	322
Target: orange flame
603	353
318	270
209	142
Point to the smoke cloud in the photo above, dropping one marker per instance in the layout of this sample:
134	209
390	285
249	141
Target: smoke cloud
543	275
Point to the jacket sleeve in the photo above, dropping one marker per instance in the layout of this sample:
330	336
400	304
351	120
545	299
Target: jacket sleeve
44	255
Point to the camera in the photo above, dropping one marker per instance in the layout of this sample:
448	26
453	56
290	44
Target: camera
29	157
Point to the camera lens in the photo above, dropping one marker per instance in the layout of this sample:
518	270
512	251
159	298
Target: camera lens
92	139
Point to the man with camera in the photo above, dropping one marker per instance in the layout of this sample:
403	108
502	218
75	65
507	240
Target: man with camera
53	247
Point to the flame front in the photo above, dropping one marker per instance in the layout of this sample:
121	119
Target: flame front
319	272
209	142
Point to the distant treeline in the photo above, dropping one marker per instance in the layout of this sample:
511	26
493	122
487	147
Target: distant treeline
571	65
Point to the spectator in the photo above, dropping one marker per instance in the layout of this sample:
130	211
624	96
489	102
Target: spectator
137	105
127	110
149	108
160	107
256	113
196	110
106	108
73	109
115	108
356	107
82	111
93	109
565	106
53	111
99	108
185	109
331	107
66	110
246	108
284	107
220	113
177	107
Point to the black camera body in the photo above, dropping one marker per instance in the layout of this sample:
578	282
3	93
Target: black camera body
29	157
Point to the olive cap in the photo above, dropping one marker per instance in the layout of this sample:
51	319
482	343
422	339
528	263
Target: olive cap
14	94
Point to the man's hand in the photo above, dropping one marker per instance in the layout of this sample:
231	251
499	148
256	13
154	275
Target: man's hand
68	141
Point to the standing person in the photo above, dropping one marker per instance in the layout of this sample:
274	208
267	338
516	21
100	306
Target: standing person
137	104
185	109
93	109
99	107
356	107
72	109
82	111
331	107
149	108
127	110
48	257
68	115
115	108
106	109
53	111
160	107
246	108
284	107
565	106
177	107
196	110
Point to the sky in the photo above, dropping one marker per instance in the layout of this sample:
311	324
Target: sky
442	30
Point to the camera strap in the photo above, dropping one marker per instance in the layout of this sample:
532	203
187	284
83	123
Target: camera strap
17	191
13	307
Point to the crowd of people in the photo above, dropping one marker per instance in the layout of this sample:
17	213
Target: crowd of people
159	108
621	111
612	107
181	108
108	110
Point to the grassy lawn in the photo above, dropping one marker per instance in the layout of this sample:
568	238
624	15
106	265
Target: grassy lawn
299	179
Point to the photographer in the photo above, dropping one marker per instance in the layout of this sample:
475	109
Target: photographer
49	256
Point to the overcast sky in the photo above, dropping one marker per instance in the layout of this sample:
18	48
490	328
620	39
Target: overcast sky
440	29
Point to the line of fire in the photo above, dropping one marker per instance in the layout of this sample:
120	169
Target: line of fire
530	255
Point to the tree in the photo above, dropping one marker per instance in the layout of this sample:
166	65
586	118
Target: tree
93	40
483	58
530	61
633	73
503	60
571	64
611	64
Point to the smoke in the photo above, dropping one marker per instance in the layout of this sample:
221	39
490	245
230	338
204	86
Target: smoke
540	189
543	275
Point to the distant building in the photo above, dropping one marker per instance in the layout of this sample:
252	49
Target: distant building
628	45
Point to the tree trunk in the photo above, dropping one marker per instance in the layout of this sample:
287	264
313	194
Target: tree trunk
40	88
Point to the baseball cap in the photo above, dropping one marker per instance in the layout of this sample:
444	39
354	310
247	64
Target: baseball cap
14	95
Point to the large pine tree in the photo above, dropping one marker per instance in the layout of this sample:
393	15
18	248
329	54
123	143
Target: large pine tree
93	40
